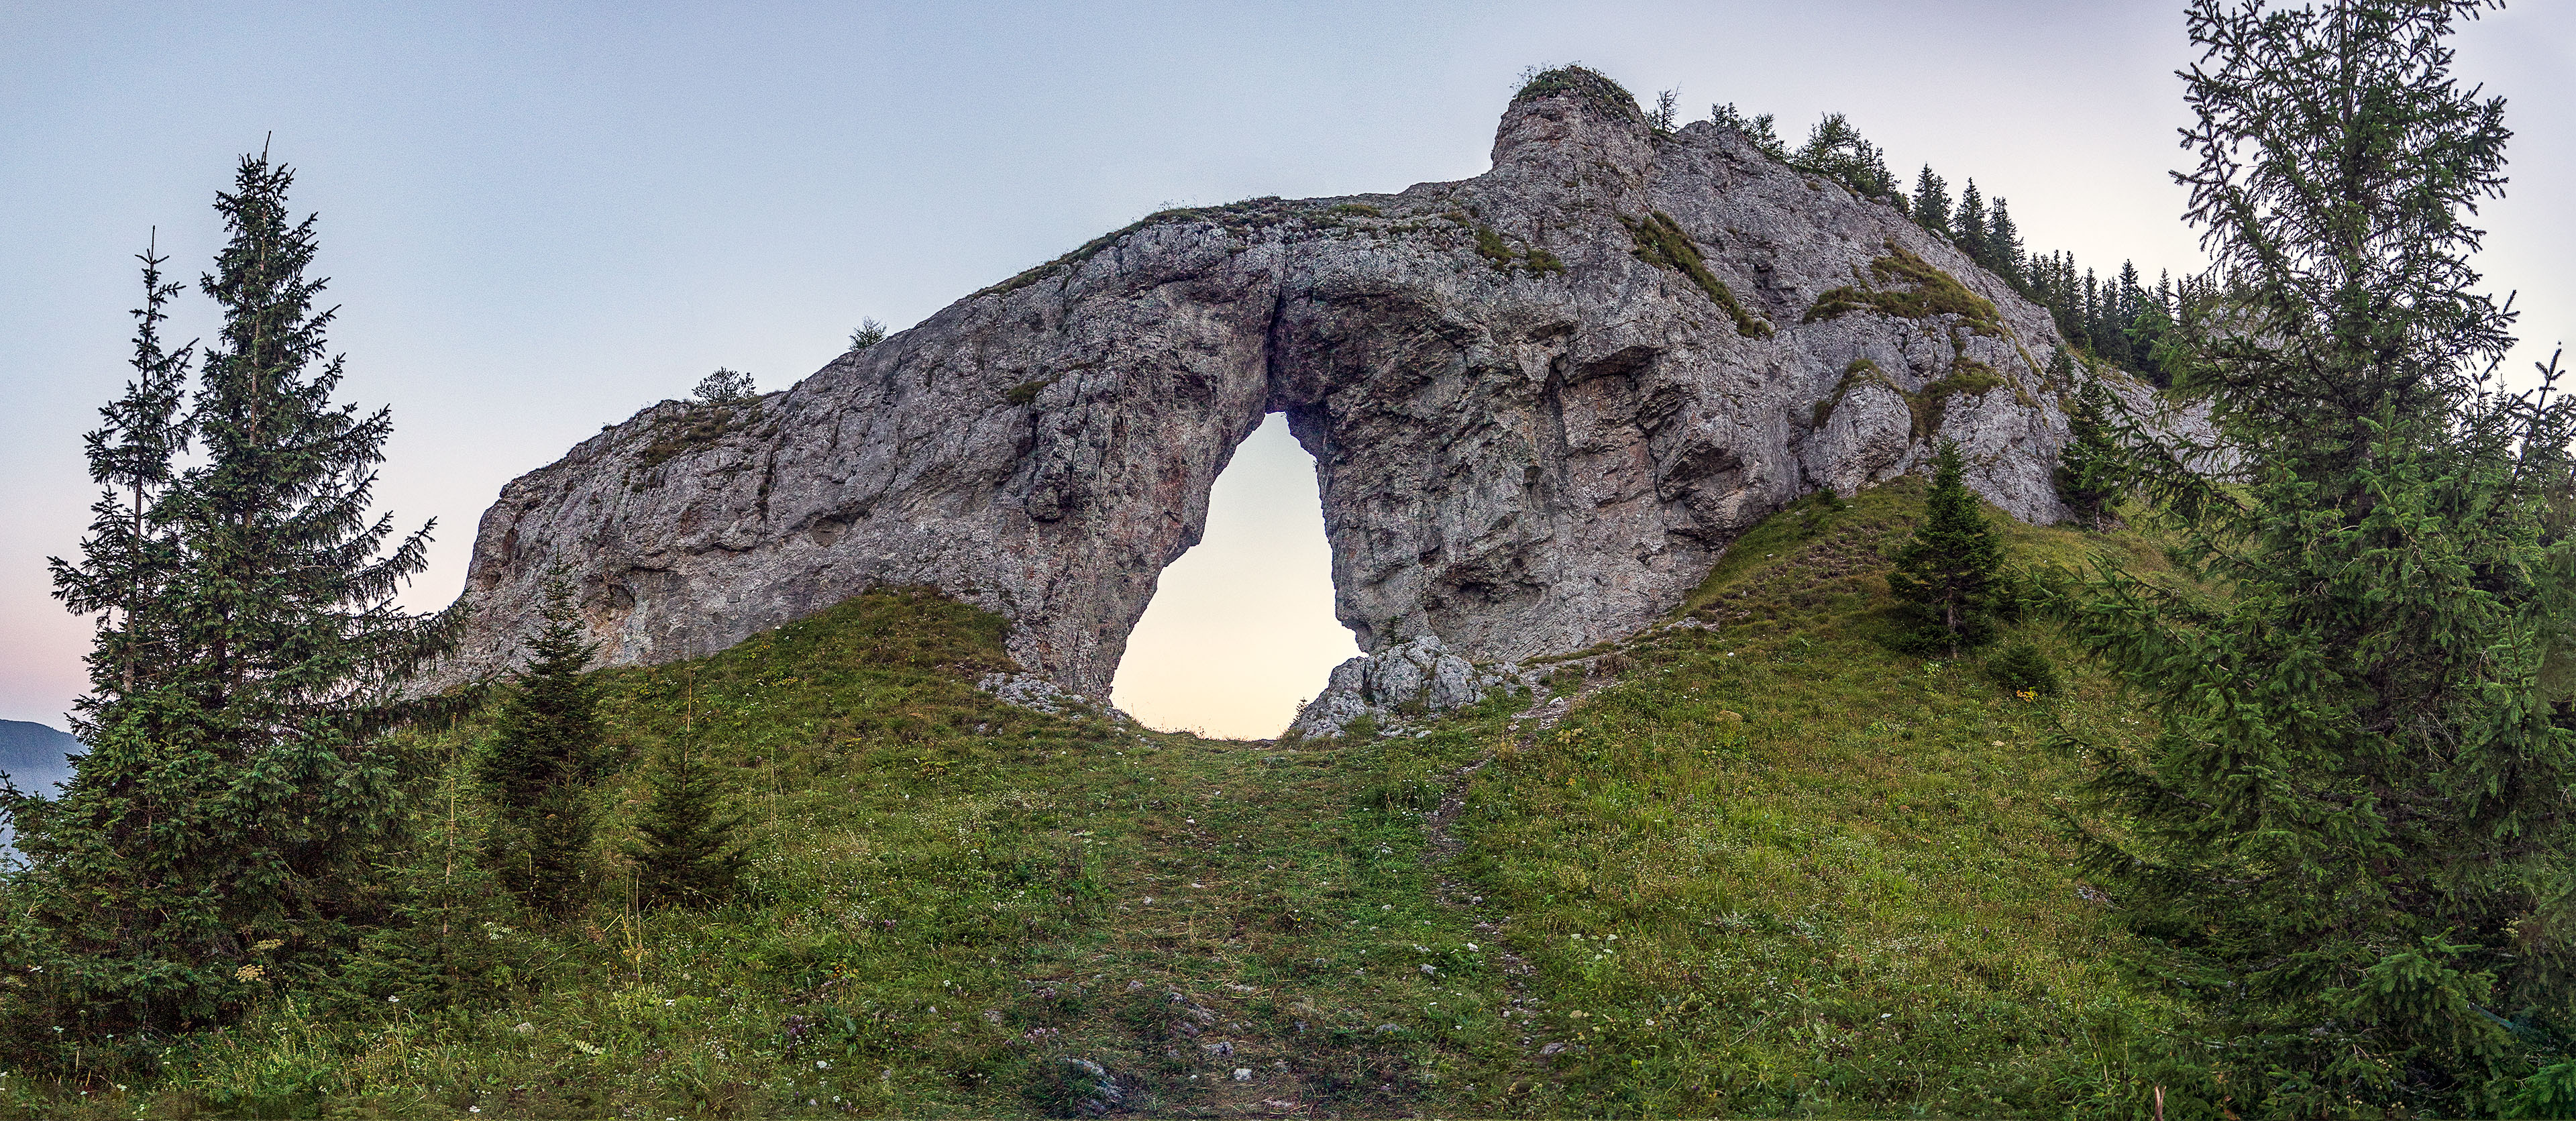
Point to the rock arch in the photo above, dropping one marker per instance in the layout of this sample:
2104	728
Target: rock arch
1541	403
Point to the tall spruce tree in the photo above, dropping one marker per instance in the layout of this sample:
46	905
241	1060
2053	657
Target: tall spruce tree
2356	808
1932	201
2003	252
231	802
1951	573
1970	221
130	554
544	754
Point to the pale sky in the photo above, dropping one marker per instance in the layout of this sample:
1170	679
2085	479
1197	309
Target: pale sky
540	218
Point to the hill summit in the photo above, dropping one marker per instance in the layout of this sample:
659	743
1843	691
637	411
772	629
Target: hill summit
1542	402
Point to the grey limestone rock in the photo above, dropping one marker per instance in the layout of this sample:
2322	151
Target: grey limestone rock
1541	402
1403	685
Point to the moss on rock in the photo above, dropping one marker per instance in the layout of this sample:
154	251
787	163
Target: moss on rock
1662	243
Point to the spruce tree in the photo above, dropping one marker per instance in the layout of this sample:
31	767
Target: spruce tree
232	799
542	759
2003	247
1932	202
130	553
1951	572
2355	809
685	853
449	933
1970	223
2090	468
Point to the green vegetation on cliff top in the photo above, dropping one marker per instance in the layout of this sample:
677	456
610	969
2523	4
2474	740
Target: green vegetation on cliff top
1763	867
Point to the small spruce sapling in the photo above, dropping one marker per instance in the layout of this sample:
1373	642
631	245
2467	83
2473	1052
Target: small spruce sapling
1951	572
2021	668
450	934
685	853
869	334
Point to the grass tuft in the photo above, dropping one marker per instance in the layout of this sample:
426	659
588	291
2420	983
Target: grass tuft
1662	243
1926	291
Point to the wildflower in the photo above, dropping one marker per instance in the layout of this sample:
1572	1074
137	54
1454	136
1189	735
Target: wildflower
249	973
821	1065
264	945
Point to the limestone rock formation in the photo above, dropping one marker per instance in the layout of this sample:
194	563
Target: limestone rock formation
1408	682
1541	402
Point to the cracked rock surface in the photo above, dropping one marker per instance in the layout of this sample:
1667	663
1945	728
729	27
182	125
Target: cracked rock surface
1541	402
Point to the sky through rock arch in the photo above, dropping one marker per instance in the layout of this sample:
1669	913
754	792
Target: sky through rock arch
1241	628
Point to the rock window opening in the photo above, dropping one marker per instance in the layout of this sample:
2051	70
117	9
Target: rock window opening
1241	628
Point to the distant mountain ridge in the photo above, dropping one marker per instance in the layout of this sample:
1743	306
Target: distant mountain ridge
32	754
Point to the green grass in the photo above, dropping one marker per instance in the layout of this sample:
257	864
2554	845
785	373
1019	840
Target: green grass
1582	81
1764	867
1661	242
1922	291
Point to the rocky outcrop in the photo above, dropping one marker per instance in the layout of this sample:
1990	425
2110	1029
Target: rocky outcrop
1404	684
1541	403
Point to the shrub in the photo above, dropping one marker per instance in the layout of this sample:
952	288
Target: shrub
2023	669
1581	81
725	385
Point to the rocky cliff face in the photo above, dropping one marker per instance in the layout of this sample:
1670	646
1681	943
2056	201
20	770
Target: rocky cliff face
1541	402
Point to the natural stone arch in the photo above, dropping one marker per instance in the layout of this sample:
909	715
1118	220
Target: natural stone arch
1541	403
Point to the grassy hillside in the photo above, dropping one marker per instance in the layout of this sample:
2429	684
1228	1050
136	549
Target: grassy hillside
1752	863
